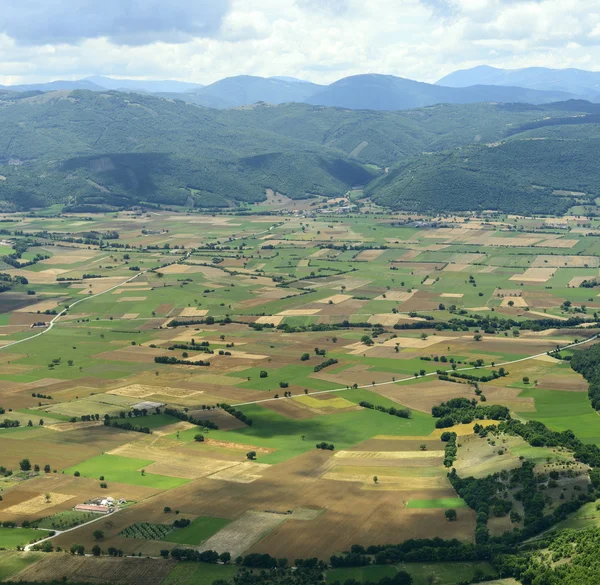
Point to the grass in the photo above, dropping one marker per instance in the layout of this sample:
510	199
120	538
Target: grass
125	470
153	421
12	563
14	537
563	411
198	531
437	503
370	573
199	574
445	573
344	430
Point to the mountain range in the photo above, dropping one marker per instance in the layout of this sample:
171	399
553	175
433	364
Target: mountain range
105	150
368	91
585	84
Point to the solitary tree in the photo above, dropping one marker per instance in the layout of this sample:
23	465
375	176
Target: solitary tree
25	465
451	515
251	455
98	534
375	479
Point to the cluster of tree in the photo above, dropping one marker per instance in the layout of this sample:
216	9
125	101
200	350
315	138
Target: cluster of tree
329	362
126	426
325	446
165	359
591	283
179	414
538	434
399	412
493	325
237	413
587	363
500	373
7	423
464	411
205	321
202	347
7	281
451	448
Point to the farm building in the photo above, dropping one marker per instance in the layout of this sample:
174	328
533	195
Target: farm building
92	508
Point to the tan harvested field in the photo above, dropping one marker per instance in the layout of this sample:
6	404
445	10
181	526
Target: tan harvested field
100	570
38	504
452	295
396	296
298	312
171	459
534	275
559	261
193	312
388	454
246	472
368	255
270	320
131	299
42	306
335	299
516	302
243	532
384	319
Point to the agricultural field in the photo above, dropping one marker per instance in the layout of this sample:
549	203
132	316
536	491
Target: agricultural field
271	378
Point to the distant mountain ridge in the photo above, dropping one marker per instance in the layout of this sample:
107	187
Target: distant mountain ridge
366	92
585	84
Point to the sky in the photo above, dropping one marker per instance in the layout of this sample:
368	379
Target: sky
317	40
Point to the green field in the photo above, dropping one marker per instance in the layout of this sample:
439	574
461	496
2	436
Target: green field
199	574
563	411
124	470
14	537
11	562
198	531
443	573
344	430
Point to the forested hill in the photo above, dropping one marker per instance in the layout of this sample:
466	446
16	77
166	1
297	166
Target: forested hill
115	149
102	150
545	165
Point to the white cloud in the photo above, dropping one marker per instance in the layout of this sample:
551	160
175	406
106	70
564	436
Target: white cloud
321	40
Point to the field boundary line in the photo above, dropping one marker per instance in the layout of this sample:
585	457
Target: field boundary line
367	386
64	311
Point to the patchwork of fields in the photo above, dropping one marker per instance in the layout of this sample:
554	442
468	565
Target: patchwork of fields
316	331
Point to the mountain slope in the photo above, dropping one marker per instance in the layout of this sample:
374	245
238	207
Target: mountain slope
246	89
105	148
362	92
581	83
386	92
532	172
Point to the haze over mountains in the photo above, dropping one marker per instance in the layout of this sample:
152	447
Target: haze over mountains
368	91
585	84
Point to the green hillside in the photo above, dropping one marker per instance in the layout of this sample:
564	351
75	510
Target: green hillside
94	148
529	173
104	150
